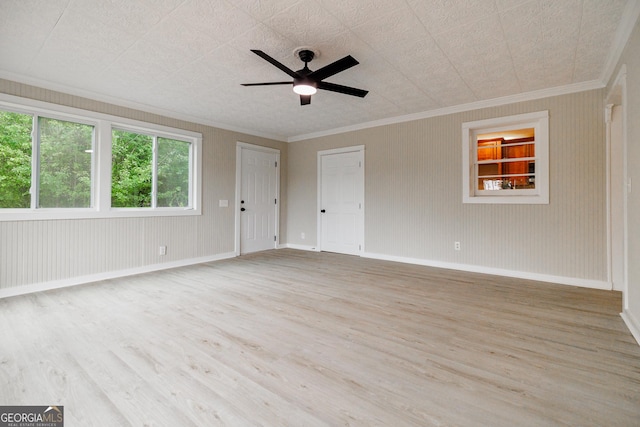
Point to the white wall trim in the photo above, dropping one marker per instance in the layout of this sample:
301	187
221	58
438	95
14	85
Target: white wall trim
255	147
90	116
618	96
94	96
632	323
91	278
101	178
496	102
625	28
538	120
341	150
562	280
299	247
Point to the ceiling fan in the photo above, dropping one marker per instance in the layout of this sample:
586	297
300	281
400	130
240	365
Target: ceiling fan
306	82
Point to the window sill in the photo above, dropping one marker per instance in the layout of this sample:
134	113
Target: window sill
514	199
57	214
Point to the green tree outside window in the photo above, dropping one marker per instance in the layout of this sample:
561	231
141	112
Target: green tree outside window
15	160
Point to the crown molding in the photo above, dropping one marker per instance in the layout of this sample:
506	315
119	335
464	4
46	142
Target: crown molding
627	24
495	102
120	102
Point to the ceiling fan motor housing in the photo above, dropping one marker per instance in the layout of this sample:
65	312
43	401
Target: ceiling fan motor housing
306	56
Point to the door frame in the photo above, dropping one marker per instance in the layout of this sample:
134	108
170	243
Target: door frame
238	223
352	149
618	96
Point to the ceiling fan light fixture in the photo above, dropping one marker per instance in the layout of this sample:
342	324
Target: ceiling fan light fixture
305	88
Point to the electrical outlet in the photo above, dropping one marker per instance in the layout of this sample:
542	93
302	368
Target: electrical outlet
456	246
162	250
302	236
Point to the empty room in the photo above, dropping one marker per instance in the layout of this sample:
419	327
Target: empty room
319	213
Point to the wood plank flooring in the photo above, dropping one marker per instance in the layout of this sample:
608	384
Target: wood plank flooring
292	338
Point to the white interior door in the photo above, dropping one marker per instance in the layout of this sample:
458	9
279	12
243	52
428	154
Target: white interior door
258	199
341	201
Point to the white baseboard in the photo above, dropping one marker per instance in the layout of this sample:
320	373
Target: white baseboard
38	287
632	323
299	247
81	280
571	281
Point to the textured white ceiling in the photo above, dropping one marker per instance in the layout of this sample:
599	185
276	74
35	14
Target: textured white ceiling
187	58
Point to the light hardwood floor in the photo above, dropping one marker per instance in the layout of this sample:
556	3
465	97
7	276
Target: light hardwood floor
291	338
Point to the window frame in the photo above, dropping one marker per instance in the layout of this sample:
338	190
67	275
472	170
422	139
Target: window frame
36	157
539	121
155	135
101	162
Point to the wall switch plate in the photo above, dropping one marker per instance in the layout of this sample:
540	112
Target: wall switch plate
302	236
223	203
162	250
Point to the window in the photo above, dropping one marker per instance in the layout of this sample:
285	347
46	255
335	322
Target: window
149	171
15	159
173	173
65	153
505	160
131	169
52	170
58	162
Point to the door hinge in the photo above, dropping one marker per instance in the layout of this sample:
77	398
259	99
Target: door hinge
274	238
275	201
360	164
276	164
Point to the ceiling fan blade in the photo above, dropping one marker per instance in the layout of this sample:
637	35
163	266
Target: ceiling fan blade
305	99
266	84
343	89
269	59
334	68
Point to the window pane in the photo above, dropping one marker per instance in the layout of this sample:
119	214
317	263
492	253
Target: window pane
500	149
504	169
513	152
131	169
506	175
516	168
65	164
173	173
522	182
15	159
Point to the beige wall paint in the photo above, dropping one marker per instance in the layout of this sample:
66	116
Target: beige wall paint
631	58
413	201
413	193
44	251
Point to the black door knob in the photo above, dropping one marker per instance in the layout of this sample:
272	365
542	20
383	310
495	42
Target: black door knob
322	211
242	209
